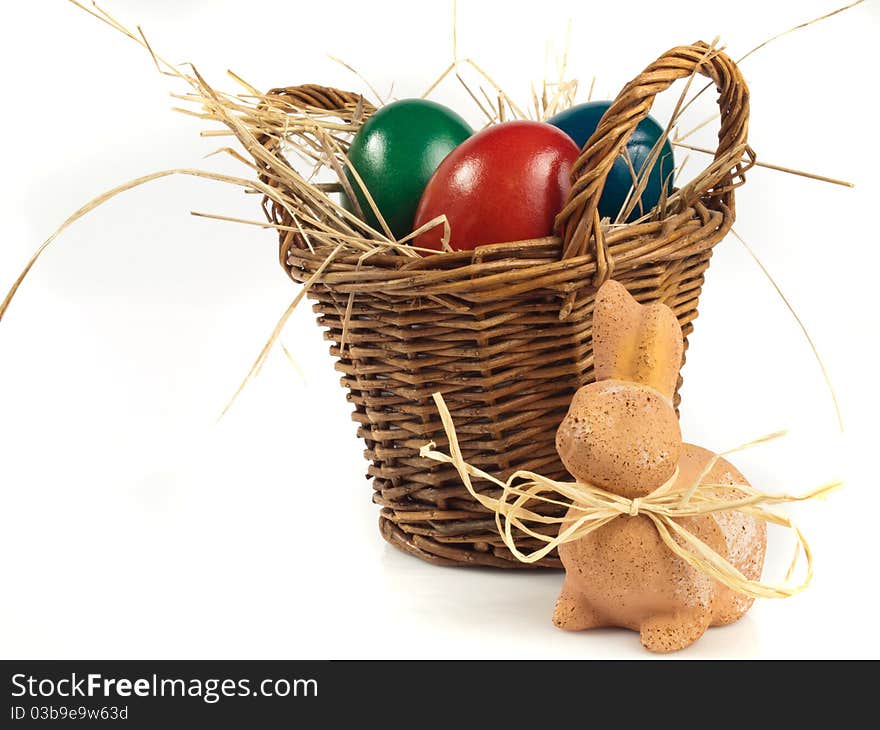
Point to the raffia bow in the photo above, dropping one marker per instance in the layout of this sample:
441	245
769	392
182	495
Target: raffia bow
591	508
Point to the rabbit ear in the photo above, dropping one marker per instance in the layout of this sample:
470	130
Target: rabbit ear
635	342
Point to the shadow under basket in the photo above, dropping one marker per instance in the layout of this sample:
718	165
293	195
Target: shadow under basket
504	332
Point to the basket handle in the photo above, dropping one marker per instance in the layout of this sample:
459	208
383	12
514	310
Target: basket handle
578	221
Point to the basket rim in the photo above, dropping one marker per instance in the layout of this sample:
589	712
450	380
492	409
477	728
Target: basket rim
519	266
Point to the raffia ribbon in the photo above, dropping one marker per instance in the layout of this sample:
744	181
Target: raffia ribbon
591	508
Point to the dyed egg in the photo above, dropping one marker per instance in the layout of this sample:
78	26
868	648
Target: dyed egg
506	183
581	121
395	153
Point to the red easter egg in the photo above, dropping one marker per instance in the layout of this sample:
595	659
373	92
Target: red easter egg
506	183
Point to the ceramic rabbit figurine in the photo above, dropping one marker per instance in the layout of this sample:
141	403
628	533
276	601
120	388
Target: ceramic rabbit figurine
622	434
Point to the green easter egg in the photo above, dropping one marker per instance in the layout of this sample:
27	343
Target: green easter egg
395	153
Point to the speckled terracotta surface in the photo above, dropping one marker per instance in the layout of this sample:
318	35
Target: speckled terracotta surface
621	433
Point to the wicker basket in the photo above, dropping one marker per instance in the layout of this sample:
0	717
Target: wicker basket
504	332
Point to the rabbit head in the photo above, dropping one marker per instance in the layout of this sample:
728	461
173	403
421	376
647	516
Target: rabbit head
621	432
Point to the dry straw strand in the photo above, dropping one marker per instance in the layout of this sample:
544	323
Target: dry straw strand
108	195
799	26
800	324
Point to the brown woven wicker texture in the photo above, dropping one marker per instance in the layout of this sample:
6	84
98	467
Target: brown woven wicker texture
504	332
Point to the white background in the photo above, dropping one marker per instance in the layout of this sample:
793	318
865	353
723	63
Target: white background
133	524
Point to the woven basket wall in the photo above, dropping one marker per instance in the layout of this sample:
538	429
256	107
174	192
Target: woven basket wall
504	332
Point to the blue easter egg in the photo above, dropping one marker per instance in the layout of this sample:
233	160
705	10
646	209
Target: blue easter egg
579	122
